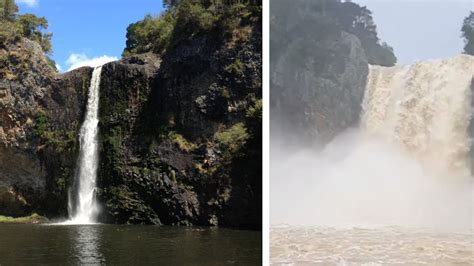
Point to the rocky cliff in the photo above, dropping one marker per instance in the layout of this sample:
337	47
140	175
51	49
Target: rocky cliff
317	96
181	135
40	112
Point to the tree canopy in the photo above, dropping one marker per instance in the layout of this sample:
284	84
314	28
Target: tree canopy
14	26
184	19
328	17
468	33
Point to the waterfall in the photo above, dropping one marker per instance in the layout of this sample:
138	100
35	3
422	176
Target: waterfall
407	164
83	207
425	108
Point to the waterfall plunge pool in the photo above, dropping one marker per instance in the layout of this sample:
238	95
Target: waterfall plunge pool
100	244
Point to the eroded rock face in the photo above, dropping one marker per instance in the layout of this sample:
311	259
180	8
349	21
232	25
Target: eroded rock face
39	111
161	162
320	95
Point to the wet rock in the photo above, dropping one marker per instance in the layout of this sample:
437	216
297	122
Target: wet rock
321	95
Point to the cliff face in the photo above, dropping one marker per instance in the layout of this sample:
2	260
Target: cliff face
180	143
317	96
39	117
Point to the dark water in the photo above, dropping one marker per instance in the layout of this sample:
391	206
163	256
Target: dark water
129	245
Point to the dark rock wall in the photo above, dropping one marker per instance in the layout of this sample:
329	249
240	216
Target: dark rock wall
161	159
315	98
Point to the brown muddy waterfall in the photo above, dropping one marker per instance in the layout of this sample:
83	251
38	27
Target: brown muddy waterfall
396	190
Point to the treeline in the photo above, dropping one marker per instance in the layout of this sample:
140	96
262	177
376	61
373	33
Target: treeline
328	17
184	19
14	26
468	33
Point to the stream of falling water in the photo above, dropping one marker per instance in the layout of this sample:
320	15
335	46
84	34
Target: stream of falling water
83	208
398	191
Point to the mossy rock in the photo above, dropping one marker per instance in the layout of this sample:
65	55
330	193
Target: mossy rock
32	219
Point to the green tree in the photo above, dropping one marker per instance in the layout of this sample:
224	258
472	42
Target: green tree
33	28
468	33
171	4
149	34
359	21
316	20
184	19
9	9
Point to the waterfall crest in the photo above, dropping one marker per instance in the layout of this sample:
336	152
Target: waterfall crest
425	108
83	208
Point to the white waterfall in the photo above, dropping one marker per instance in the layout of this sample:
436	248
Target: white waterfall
83	208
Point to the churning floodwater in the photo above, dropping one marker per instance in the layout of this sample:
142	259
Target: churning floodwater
23	244
369	246
396	190
83	208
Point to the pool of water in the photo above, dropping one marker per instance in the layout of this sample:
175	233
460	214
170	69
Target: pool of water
127	244
296	245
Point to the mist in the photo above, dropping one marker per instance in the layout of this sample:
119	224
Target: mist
359	180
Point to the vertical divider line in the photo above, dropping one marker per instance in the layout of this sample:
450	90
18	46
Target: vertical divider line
266	133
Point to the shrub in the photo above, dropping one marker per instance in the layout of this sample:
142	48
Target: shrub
193	18
236	68
149	34
182	143
40	124
232	139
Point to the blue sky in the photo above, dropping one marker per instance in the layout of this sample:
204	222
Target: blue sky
420	29
91	31
88	31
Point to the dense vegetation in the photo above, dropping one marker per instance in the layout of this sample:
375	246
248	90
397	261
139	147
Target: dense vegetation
184	19
317	19
14	26
468	33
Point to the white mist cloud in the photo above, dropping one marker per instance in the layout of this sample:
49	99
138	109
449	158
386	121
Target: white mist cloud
361	181
79	60
30	3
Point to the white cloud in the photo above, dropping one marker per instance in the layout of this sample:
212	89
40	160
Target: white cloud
59	68
30	3
79	60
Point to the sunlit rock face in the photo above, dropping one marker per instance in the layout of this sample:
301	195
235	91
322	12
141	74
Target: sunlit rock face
40	112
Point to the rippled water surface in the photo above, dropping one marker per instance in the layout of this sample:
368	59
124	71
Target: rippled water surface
358	246
127	245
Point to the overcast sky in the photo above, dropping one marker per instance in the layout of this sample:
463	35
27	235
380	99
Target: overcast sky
420	29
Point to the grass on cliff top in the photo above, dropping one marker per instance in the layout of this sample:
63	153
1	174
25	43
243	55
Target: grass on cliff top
32	219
